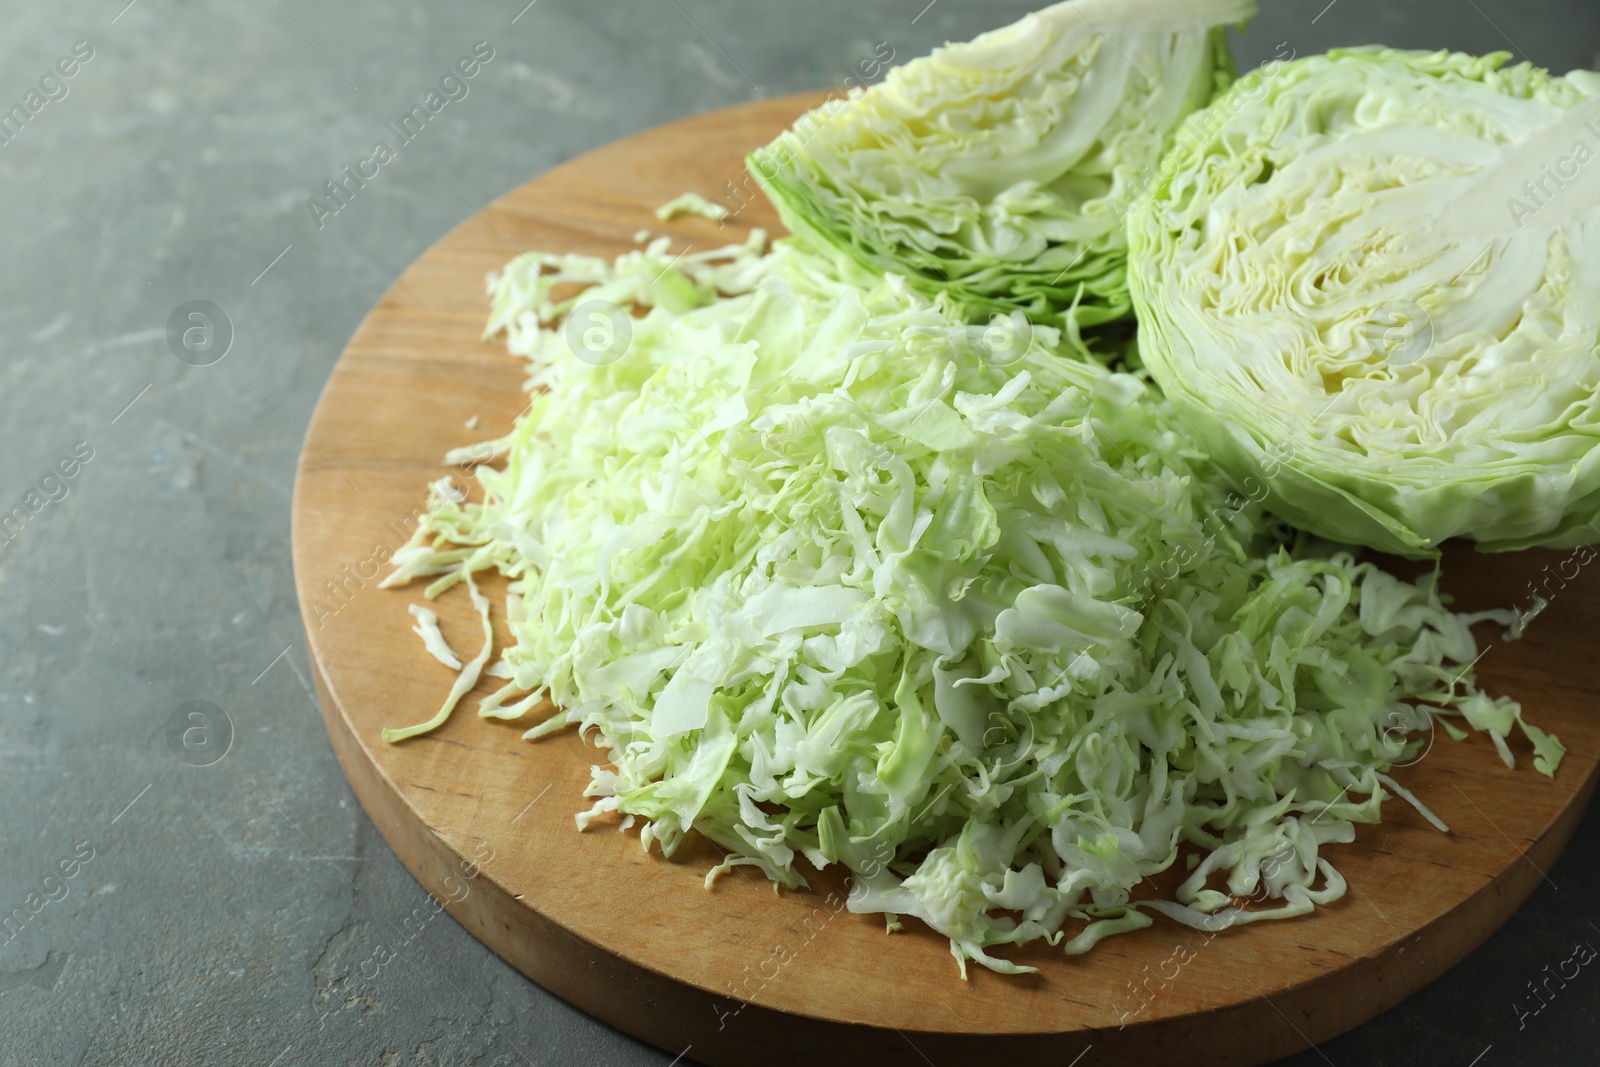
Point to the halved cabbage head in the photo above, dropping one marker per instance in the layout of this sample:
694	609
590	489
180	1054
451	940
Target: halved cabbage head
1372	280
1001	170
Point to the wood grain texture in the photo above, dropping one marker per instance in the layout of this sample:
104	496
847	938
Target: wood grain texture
744	975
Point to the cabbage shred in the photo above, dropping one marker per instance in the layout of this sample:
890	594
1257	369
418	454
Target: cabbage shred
833	577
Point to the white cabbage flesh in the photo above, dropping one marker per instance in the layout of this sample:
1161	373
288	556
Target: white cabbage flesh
1371	280
1000	170
833	584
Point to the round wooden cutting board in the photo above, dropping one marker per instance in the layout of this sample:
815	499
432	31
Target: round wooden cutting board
739	974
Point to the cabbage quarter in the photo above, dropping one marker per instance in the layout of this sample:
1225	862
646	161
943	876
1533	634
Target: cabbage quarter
1000	170
1372	279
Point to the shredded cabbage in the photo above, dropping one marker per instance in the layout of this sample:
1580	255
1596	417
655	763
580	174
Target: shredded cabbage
427	628
836	577
999	170
691	204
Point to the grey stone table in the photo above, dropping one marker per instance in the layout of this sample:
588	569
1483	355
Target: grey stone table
229	913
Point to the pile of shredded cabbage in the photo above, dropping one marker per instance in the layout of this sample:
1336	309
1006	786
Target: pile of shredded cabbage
833	575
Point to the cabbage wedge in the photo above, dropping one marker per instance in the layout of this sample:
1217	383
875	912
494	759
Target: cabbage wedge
1000	170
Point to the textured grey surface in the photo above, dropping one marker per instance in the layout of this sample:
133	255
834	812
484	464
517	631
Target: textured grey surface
225	916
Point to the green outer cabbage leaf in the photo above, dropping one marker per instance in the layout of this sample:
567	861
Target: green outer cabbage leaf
1000	170
1372	280
834	575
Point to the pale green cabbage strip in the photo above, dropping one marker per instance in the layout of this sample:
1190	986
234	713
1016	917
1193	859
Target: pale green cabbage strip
999	170
833	575
1372	278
